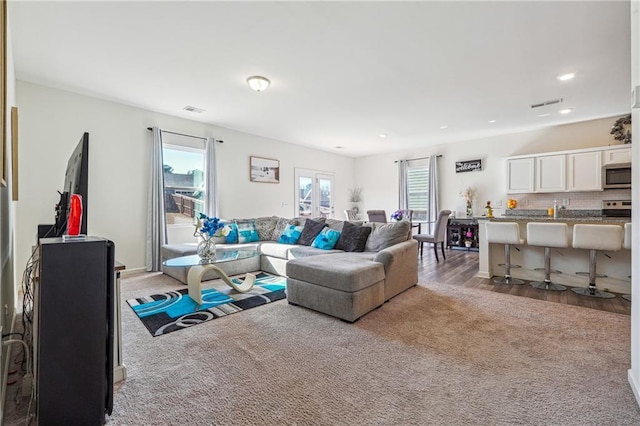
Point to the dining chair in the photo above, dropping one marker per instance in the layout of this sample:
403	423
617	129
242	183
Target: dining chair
377	216
351	214
439	235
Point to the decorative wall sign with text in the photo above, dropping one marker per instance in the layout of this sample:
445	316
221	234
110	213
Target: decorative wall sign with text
468	166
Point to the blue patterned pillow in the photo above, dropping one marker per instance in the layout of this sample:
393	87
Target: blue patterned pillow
290	234
247	232
326	239
232	237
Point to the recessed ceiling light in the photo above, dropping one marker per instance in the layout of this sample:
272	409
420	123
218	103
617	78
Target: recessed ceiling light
444	127
567	76
258	83
543	115
193	109
565	111
383	135
492	121
340	147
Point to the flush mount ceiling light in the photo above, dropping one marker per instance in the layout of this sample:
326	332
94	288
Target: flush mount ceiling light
565	111
492	121
258	83
567	76
383	135
444	127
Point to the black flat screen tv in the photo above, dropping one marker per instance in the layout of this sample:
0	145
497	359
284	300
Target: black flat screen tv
76	181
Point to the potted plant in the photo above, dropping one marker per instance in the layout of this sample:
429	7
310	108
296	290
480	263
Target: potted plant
355	196
468	240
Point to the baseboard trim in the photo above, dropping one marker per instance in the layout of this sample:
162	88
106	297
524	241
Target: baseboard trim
127	272
634	386
483	275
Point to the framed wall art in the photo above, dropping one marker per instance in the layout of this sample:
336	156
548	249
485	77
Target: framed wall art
264	170
14	153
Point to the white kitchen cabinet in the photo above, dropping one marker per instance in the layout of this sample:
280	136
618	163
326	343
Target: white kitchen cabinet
520	174
550	173
584	171
616	156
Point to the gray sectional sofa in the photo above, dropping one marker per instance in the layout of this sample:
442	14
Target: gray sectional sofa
346	285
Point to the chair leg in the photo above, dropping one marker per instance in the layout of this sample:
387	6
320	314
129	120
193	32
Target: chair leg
421	247
435	250
592	290
507	279
444	256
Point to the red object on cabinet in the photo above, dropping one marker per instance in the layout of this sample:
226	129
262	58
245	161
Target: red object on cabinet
75	215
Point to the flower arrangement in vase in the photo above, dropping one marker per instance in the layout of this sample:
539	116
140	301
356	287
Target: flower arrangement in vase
469	194
397	215
206	229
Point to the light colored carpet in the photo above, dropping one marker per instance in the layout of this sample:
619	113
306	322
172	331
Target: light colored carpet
436	354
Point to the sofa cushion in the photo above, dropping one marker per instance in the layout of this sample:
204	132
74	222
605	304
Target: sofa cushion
265	227
232	236
290	235
326	239
346	273
334	224
310	231
281	223
297	252
247	231
353	238
274	249
384	235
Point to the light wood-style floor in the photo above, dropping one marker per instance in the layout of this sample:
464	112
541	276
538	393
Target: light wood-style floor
461	266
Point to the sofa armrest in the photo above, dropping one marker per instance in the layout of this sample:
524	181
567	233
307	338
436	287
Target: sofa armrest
400	263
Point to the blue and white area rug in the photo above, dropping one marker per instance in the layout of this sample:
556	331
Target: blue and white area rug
175	310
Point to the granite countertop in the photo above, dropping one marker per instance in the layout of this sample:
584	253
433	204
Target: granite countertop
580	219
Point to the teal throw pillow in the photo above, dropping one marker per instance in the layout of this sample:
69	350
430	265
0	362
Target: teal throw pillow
326	239
247	232
232	237
290	234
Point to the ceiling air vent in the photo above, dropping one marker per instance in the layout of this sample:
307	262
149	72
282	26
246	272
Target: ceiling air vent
545	103
193	109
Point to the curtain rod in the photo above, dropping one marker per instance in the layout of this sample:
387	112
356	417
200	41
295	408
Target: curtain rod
420	158
183	134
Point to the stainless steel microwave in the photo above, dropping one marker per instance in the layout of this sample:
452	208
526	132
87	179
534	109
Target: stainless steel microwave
616	176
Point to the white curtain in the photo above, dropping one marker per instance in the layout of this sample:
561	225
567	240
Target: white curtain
211	202
403	190
433	208
156	224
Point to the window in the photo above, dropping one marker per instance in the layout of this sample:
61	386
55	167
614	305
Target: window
184	187
418	183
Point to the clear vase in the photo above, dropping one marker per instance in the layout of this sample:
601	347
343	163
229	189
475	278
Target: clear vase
469	209
206	249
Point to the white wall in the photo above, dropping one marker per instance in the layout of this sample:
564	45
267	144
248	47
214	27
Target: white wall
634	372
378	174
52	122
7	234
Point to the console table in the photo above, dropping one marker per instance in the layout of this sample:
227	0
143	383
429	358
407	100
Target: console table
458	231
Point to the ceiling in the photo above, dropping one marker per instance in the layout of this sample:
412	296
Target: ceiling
342	73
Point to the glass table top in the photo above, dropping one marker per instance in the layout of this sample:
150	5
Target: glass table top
222	255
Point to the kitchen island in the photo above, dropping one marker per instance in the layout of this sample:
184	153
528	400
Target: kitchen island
616	265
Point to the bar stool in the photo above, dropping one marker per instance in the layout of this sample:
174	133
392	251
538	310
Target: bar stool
548	235
594	238
506	233
627	245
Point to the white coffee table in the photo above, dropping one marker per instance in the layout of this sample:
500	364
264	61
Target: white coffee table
198	267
